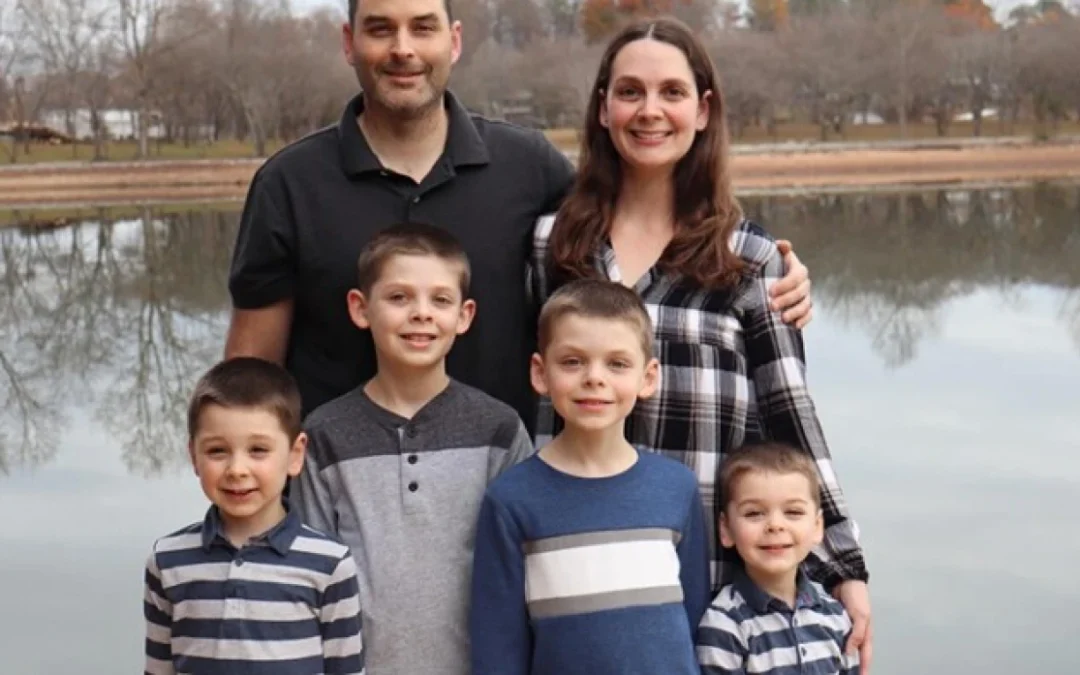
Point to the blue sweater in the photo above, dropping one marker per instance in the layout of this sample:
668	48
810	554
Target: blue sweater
592	576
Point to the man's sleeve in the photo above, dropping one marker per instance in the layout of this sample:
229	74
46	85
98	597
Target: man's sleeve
776	362
559	173
498	619
340	623
263	268
157	610
721	649
310	493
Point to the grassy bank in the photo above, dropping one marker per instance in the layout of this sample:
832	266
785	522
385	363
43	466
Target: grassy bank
563	138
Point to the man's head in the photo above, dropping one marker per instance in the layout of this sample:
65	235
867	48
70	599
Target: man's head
770	507
594	356
411	292
402	52
245	441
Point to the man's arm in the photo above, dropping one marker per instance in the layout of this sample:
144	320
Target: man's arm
263	273
262	332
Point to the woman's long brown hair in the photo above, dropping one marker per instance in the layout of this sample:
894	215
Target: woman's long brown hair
706	211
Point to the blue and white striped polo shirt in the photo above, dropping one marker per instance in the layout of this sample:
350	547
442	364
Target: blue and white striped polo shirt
748	632
286	603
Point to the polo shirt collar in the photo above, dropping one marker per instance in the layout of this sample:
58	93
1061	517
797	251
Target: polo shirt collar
806	595
464	146
279	538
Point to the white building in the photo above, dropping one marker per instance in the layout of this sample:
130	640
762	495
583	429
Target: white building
119	124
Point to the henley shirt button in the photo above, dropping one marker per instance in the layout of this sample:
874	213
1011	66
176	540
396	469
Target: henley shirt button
413	486
802	650
412	459
411	432
238	562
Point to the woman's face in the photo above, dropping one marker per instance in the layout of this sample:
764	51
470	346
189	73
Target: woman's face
652	110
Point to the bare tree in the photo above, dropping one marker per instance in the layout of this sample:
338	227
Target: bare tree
64	33
140	30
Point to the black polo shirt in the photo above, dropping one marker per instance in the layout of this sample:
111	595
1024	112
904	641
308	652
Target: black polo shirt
314	204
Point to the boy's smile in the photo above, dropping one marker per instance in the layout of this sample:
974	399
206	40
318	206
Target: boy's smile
772	519
243	457
594	371
414	310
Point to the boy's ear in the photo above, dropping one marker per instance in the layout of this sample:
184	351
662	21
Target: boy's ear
465	319
536	374
726	540
296	454
357	308
652	378
819	528
191	456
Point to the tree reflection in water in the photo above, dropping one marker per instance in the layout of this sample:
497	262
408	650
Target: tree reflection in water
118	316
114	315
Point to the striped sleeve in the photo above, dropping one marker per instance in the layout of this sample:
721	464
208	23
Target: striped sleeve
776	362
721	649
340	623
157	611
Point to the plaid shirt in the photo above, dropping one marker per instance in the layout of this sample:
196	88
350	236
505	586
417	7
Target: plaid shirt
731	372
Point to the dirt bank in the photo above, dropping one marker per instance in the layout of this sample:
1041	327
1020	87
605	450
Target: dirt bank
851	168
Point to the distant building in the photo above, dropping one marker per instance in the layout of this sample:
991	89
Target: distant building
118	124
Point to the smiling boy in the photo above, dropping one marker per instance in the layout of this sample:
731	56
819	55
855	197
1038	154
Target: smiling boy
398	466
250	589
772	618
591	556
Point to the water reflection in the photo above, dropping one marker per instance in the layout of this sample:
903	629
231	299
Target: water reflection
117	314
888	264
121	313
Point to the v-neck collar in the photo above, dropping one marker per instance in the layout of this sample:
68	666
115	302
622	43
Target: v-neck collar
608	265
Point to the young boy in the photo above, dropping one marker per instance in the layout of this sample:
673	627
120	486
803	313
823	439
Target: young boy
397	467
250	589
591	556
772	618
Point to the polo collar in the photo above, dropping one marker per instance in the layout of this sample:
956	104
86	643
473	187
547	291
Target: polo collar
279	538
806	595
464	146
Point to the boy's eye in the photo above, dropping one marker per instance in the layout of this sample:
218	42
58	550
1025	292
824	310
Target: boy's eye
620	364
795	512
259	450
444	300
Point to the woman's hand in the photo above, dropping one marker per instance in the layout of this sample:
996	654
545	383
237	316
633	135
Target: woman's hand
791	295
855	597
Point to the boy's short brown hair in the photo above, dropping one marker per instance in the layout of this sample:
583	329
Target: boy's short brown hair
595	299
247	382
410	239
769	457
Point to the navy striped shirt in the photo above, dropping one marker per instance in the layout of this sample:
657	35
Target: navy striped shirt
747	631
285	603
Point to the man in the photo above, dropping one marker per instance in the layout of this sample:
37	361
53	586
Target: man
405	149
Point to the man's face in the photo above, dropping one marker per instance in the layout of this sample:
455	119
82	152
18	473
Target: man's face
402	52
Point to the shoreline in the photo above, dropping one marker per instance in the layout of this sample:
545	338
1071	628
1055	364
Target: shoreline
780	167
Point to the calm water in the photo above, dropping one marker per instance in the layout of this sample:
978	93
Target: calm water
944	359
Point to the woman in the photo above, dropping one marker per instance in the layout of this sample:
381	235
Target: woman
652	208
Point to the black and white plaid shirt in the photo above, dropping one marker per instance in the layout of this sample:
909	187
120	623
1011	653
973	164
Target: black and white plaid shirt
731	371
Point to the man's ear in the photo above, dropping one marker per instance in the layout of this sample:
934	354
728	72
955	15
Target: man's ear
358	307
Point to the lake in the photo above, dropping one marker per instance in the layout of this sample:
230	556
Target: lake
944	358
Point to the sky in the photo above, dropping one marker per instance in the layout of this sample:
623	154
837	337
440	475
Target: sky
1001	7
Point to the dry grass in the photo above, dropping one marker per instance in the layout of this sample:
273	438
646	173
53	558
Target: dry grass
565	139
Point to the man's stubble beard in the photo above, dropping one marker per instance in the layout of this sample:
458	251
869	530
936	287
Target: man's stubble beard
406	111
